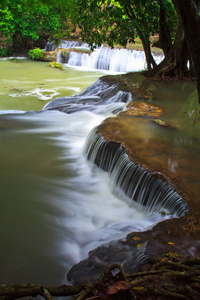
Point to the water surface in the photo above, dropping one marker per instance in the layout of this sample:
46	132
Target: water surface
54	207
27	85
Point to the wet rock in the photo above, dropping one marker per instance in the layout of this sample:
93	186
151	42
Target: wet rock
137	108
123	252
161	123
64	54
50	56
161	156
95	98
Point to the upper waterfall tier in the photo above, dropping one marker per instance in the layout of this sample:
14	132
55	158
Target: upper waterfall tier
104	58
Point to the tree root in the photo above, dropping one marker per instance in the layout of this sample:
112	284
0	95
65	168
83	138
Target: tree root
167	278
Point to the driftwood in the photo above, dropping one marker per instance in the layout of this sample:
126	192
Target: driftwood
167	278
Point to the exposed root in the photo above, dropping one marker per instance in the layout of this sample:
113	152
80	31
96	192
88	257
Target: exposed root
167	278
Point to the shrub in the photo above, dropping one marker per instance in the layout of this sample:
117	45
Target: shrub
36	54
5	51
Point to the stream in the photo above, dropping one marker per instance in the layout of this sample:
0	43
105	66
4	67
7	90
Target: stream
55	205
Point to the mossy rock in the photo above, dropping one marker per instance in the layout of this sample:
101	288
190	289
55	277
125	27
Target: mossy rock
161	123
56	65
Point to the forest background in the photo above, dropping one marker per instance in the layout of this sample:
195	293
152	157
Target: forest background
27	24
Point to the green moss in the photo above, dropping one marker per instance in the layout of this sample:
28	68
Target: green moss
54	64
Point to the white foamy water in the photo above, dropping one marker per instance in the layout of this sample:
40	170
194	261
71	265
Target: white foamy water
55	208
105	58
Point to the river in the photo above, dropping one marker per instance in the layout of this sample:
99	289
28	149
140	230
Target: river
55	206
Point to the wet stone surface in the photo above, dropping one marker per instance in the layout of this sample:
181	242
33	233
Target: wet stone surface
149	143
155	145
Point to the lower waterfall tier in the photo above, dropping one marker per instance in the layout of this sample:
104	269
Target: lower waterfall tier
148	163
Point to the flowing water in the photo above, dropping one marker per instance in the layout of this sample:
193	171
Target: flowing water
55	207
105	58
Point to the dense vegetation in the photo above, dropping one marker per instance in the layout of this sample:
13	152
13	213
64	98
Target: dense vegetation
29	23
121	21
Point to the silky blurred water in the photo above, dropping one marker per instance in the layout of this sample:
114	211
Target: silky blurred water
55	208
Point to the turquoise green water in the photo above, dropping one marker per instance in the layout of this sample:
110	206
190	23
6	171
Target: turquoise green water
29	85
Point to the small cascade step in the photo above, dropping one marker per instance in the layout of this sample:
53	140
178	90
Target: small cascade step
103	58
132	182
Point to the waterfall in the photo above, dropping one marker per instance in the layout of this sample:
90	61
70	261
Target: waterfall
67	44
105	58
50	46
115	60
130	181
100	98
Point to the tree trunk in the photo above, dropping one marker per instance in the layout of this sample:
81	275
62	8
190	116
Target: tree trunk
189	16
149	57
17	42
175	64
144	38
164	42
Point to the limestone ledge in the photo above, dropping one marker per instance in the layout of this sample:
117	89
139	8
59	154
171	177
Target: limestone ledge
52	55
162	157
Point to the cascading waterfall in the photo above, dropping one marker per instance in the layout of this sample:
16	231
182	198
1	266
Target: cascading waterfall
130	181
50	46
99	98
59	203
65	44
105	58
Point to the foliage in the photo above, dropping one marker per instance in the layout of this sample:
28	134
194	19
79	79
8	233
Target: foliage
120	21
36	54
5	51
31	19
7	21
54	64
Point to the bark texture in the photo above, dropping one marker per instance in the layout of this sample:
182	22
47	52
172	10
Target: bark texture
175	63
189	16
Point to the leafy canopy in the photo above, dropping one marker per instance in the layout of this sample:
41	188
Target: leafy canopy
30	18
120	21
